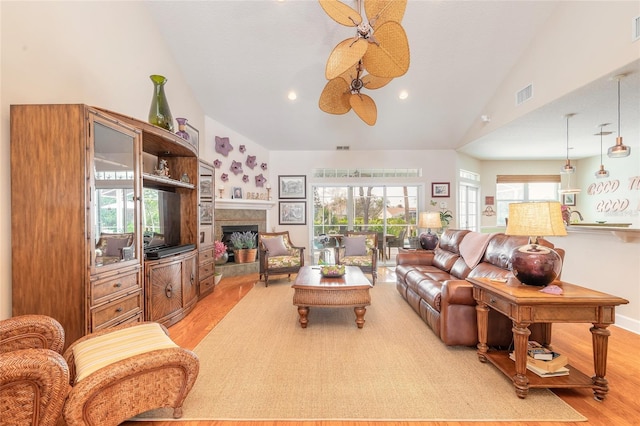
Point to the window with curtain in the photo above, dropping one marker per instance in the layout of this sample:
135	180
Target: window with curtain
523	188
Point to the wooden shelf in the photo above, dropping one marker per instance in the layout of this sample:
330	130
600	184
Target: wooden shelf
147	177
575	379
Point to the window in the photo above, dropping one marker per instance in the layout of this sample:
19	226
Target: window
523	188
388	210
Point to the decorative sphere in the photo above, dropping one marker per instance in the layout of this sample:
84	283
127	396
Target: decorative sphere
535	265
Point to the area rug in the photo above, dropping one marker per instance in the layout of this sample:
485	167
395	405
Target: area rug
259	364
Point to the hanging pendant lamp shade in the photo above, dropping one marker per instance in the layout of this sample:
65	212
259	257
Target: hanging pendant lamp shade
619	150
568	168
602	173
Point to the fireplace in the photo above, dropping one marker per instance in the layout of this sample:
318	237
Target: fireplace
242	219
227	230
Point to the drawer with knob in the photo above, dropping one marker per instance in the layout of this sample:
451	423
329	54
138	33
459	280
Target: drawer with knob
116	311
113	287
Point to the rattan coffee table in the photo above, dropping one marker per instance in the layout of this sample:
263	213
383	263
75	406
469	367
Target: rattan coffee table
349	290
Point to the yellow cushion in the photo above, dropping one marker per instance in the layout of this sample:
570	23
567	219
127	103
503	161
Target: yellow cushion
100	351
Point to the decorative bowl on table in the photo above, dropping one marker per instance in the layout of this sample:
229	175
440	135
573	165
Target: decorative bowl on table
332	270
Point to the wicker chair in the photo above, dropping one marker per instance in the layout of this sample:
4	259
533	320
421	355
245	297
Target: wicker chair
31	332
125	388
278	257
34	378
368	262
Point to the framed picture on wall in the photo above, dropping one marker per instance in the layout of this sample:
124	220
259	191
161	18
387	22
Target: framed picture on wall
440	189
569	199
293	212
292	187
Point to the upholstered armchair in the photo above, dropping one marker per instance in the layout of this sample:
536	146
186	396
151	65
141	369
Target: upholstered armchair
359	249
278	255
34	377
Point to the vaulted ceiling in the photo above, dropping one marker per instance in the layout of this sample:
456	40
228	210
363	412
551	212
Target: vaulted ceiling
242	58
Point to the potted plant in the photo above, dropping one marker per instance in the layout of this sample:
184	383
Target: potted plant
244	246
220	254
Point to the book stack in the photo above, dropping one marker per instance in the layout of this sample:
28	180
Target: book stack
544	362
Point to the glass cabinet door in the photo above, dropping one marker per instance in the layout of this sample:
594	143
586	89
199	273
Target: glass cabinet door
114	200
206	196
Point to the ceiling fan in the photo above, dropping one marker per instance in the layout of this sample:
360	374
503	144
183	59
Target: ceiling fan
380	47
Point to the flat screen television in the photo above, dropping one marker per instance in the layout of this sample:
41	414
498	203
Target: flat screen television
161	218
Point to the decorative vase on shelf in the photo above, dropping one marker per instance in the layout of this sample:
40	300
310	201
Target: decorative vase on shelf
181	125
159	113
224	257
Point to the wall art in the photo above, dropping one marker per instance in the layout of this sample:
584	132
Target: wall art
223	146
292	187
440	189
293	212
569	199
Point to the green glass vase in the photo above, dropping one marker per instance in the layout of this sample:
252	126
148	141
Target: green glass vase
160	113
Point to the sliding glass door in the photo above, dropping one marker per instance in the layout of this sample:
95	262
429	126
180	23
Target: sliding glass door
390	211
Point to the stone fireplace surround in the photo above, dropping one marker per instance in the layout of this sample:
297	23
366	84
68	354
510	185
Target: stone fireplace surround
239	214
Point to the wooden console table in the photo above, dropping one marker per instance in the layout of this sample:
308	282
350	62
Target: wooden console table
526	305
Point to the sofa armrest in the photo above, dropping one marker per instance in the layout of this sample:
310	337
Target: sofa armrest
417	257
458	323
457	292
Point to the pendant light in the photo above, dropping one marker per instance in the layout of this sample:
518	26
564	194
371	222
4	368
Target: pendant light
568	168
602	173
619	150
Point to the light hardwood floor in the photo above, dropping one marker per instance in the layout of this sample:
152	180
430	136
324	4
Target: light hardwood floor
622	406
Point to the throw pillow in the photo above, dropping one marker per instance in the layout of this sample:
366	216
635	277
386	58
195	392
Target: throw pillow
275	246
114	246
355	246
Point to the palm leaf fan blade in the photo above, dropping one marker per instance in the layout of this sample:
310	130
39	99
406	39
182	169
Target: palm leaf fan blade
380	11
334	99
341	13
344	56
364	106
390	57
373	82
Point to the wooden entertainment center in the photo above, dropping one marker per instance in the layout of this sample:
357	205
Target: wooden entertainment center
83	188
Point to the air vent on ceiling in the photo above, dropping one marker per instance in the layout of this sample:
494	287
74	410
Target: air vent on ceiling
342	148
635	28
524	94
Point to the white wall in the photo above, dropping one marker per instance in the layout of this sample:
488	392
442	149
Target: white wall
96	53
597	33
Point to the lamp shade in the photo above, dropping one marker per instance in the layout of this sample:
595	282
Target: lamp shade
533	264
536	219
429	220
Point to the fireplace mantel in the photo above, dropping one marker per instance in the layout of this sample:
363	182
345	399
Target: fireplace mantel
243	204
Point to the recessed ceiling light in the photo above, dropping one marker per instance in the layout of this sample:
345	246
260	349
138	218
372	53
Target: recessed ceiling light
292	96
403	95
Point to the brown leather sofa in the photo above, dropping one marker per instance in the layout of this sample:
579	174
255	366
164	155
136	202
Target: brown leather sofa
434	284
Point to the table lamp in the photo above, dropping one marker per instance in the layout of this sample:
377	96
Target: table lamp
534	264
428	220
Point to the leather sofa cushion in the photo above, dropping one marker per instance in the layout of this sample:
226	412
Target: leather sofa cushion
451	239
430	291
443	259
460	269
499	249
